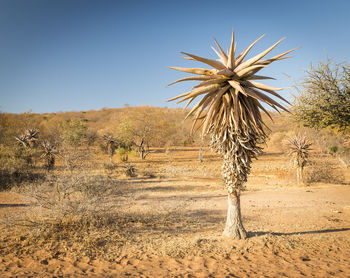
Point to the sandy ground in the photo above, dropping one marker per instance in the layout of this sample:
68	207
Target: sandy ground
294	231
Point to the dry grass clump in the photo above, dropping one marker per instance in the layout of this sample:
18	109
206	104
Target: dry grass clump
80	234
96	217
206	169
120	170
109	168
70	214
108	235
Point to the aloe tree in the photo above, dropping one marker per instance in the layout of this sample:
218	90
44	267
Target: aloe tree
22	140
48	153
299	148
230	112
29	138
28	142
32	137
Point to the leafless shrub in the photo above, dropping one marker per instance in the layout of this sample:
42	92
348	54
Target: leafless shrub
71	213
344	157
68	193
322	139
75	158
344	160
321	170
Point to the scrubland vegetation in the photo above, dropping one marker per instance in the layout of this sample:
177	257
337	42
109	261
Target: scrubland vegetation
91	208
130	192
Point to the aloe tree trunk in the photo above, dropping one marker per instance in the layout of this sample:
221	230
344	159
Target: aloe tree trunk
300	175
234	227
200	156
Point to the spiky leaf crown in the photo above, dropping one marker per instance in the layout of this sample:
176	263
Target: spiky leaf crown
299	146
231	95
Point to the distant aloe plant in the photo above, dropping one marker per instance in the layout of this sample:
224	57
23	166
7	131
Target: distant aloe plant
299	148
32	135
229	112
22	140
28	141
48	154
29	138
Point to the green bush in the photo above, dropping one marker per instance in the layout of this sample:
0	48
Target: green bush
74	133
121	151
333	149
133	153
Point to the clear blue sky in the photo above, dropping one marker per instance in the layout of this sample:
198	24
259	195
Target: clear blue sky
64	55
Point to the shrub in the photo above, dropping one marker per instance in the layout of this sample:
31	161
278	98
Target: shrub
76	218
74	133
321	170
121	151
124	154
75	158
344	156
15	166
333	149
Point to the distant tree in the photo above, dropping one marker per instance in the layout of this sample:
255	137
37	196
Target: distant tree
126	130
110	143
141	128
324	99
74	132
143	149
73	136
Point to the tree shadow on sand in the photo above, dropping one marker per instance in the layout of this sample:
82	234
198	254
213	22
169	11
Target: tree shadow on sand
13	205
261	233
